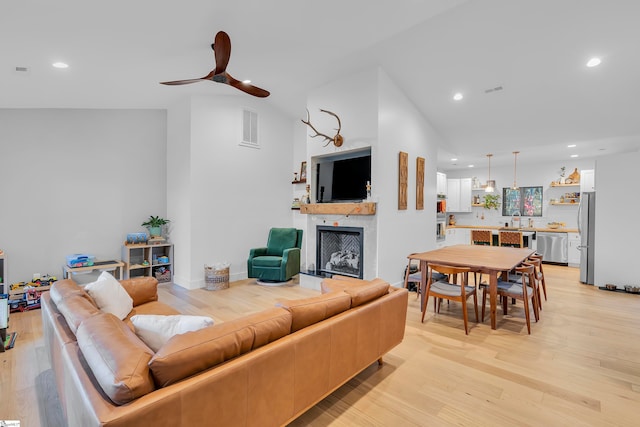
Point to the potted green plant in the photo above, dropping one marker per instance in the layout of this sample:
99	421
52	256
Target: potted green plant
154	225
492	201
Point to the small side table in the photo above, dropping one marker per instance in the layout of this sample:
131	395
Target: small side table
98	265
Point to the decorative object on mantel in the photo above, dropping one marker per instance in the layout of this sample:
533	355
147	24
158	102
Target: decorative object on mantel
491	201
491	184
368	191
303	171
420	183
337	139
574	178
403	180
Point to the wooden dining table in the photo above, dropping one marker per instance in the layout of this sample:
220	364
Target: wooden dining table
490	260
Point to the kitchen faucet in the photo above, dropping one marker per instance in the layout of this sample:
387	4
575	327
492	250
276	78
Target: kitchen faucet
513	215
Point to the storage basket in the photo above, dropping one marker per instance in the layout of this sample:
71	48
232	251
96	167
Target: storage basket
163	277
216	278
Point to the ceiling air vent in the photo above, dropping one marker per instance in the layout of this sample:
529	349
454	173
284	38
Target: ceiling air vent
493	89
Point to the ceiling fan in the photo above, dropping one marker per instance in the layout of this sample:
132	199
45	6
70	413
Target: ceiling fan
222	51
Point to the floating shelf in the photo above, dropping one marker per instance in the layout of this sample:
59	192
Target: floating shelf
364	208
302	181
555	184
564	203
478	205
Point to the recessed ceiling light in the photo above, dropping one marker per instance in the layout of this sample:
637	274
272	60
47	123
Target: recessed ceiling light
60	65
454	160
246	81
458	96
470	166
593	62
571	145
574	155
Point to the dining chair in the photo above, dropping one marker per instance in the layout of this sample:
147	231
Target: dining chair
540	273
413	274
524	290
510	238
450	290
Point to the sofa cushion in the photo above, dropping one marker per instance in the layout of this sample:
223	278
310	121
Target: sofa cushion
267	261
117	357
155	330
340	283
67	287
75	309
141	289
364	293
307	311
192	352
110	296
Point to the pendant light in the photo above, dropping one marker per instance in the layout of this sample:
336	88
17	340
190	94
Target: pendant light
515	160
491	184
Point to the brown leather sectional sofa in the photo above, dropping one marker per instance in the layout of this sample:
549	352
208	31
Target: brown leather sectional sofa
264	369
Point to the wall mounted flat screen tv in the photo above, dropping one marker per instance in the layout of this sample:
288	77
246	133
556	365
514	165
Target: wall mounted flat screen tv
343	179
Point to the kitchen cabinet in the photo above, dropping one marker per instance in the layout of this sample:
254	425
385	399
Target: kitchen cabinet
441	183
459	195
458	236
3	275
573	251
587	180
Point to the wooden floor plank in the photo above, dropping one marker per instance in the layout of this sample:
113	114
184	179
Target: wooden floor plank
579	367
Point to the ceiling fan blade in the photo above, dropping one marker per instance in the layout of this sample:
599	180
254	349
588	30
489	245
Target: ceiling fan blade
185	82
222	50
181	82
246	87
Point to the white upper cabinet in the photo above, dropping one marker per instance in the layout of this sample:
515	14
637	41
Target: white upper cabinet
459	195
587	180
441	183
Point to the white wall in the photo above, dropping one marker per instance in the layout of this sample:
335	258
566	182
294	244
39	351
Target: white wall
235	194
401	232
76	181
617	207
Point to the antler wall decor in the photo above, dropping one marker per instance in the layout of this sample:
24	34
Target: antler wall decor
337	140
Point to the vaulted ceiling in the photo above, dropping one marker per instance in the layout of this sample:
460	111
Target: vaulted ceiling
519	64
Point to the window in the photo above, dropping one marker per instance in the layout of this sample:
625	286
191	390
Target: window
527	201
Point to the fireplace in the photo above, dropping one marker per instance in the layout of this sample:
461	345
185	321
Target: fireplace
339	250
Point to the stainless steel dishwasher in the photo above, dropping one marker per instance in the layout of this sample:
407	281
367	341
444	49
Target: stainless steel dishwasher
553	247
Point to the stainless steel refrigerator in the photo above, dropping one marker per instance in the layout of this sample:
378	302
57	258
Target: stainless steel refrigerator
586	228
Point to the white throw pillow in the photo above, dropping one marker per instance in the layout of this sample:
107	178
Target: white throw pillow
156	329
110	296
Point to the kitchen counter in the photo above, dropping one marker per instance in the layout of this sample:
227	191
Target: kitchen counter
501	227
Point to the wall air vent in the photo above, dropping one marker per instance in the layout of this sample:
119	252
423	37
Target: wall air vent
22	69
249	129
493	89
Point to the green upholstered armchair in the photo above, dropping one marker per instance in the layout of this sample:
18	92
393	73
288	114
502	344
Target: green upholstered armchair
280	260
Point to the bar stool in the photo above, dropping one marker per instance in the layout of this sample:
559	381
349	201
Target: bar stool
510	238
480	237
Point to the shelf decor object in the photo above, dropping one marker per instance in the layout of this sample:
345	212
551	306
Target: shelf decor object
420	183
403	180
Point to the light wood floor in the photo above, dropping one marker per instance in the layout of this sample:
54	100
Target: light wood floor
579	367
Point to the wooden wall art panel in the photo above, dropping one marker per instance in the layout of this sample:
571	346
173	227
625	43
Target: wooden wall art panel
420	183
403	180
